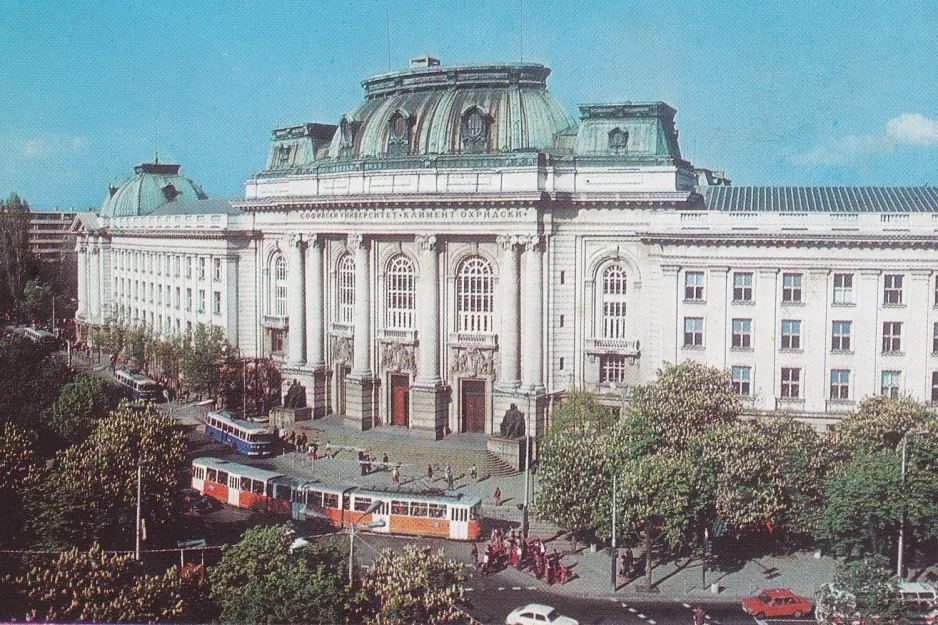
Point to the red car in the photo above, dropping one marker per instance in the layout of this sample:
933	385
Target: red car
777	602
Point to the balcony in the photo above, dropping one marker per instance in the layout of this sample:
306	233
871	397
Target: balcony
473	339
343	329
621	347
273	322
405	337
840	406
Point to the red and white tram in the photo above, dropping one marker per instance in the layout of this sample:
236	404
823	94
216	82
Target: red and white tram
414	514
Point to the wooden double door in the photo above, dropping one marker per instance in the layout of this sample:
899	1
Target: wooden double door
400	399
472	403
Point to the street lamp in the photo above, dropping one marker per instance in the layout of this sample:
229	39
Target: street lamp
905	440
351	543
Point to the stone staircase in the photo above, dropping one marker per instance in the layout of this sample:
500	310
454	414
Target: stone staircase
417	454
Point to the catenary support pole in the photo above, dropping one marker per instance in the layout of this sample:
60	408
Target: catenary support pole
139	490
613	554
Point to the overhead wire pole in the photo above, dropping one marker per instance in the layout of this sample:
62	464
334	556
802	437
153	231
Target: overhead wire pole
139	490
613	554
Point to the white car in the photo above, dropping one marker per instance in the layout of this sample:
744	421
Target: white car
537	614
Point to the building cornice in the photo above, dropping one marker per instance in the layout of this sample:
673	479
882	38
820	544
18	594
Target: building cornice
834	239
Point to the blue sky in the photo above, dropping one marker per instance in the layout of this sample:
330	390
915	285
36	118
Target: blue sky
775	93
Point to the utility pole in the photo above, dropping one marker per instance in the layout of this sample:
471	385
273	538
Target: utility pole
351	554
139	489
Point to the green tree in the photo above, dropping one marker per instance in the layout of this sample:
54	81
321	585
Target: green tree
415	586
90	493
262	580
29	370
111	338
865	590
81	404
880	423
94	586
202	357
16	259
36	302
19	471
684	400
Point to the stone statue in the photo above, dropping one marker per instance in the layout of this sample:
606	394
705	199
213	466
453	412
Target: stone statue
513	423
296	396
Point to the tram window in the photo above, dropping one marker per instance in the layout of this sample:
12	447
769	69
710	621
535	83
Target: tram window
257	487
284	492
211	475
399	507
223	477
346	502
474	513
233	481
314	498
330	500
245	484
362	503
418	509
436	510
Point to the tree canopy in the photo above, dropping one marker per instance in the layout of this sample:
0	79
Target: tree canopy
262	580
16	260
864	589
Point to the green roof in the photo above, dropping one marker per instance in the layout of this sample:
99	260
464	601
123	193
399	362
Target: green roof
151	186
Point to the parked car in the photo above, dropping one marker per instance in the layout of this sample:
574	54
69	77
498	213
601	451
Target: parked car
777	602
537	614
204	505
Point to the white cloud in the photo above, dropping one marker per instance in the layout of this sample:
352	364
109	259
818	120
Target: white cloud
907	129
49	145
913	129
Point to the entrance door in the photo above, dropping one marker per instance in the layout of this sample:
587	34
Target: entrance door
400	399
341	389
473	406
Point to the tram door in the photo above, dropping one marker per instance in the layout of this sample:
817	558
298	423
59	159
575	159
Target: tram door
342	389
458	522
400	399
473	405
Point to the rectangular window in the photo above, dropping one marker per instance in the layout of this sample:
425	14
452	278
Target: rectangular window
188	300
742	378
840	384
742	287
201	268
612	369
934	387
216	303
276	341
791	287
201	301
892	337
843	288
150	293
840	336
561	320
188	266
890	386
791	382
742	333
791	334
892	289
178	297
934	341
176	266
159	265
694	286
168	294
693	331
216	269
159	296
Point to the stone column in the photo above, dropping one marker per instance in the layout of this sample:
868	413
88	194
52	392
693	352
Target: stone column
429	411
361	365
361	387
94	275
508	348
317	394
81	248
428	298
315	293
296	302
532	360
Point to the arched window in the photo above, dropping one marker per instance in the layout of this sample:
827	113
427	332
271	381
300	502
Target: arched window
474	291
401	293
346	289
613	302
475	132
399	135
278	287
618	140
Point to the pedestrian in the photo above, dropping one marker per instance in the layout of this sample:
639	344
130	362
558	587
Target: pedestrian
395	477
474	473
384	461
367	464
449	477
474	554
498	496
429	472
361	461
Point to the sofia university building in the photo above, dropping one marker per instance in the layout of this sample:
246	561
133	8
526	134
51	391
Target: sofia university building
459	243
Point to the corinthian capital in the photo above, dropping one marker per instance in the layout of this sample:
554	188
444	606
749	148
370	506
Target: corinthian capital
313	240
355	241
425	242
297	240
533	243
507	241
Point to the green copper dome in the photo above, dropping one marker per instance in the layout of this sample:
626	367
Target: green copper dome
430	109
151	186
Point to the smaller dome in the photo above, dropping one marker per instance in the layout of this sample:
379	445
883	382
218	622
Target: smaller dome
151	186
